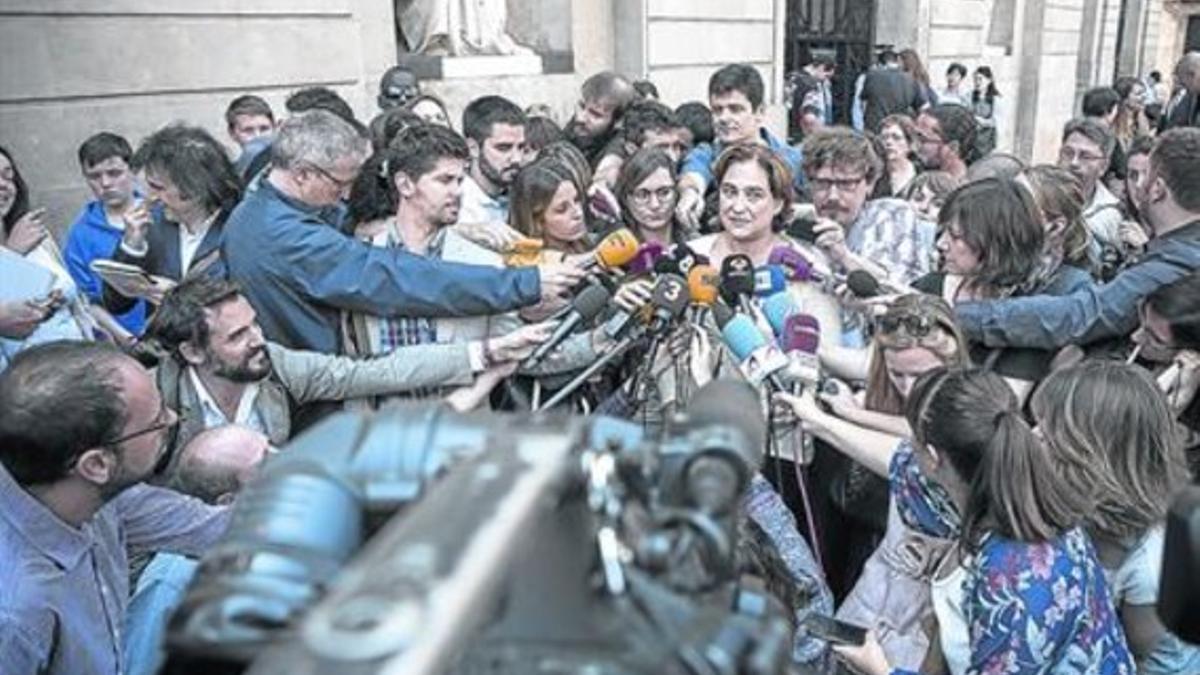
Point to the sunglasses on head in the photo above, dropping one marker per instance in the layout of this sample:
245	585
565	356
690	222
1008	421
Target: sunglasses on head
912	324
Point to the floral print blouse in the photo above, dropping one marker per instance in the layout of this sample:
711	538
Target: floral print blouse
1030	607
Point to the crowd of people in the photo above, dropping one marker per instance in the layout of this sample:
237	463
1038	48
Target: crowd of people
979	375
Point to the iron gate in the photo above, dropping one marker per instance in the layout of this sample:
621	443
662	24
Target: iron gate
844	29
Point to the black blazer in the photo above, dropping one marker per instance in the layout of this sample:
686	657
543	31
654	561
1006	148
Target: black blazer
1185	114
163	256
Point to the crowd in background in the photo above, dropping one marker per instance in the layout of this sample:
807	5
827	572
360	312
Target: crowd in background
972	457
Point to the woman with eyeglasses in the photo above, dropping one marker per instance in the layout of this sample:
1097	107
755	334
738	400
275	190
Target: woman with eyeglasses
646	191
914	335
1021	590
993	245
1112	415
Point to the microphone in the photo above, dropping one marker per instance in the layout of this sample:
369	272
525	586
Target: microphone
524	252
704	284
777	309
647	255
585	307
737	280
688	258
667	265
769	280
758	359
862	284
801	340
797	266
615	250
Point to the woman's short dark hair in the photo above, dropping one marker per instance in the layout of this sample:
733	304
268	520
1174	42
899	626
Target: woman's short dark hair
20	205
194	162
698	119
957	67
541	132
779	176
999	222
740	77
637	169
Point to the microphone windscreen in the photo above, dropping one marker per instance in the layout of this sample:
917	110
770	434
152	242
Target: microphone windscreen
666	265
703	284
862	284
777	309
591	301
742	337
793	261
617	249
647	255
769	280
670	295
737	275
802	333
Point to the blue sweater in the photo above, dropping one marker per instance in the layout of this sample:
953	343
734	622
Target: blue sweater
299	271
89	238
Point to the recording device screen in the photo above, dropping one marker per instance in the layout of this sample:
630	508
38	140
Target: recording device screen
833	631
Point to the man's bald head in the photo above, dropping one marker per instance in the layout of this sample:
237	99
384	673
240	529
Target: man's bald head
217	463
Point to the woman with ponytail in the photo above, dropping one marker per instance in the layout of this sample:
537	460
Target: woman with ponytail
1022	590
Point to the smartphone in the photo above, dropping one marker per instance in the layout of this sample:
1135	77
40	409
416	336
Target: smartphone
802	228
833	631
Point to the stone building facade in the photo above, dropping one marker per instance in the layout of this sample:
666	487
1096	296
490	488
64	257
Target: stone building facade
73	67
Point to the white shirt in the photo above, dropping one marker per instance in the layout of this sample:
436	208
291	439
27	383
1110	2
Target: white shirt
1103	216
480	207
247	415
189	243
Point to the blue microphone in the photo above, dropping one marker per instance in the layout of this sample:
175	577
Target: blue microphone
777	309
769	280
758	359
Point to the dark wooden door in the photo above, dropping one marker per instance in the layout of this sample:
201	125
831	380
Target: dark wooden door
844	29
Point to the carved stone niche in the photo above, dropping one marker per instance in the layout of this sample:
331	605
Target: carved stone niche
453	39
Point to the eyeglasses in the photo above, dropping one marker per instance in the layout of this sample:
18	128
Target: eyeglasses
339	183
1069	154
842	184
662	194
172	427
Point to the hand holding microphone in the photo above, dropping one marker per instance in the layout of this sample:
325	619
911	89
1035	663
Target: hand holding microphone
584	308
518	344
631	297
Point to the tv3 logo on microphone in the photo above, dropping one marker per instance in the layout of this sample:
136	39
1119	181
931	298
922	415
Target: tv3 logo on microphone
672	289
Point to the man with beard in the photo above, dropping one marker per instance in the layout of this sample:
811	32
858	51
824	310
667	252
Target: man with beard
602	101
221	370
946	138
422	183
735	95
1086	149
104	160
81	427
495	130
884	237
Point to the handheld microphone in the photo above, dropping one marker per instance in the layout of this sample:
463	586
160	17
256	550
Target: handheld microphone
524	252
777	309
669	299
796	265
667	265
688	258
759	360
769	280
704	283
615	250
585	307
647	255
863	284
801	340
737	280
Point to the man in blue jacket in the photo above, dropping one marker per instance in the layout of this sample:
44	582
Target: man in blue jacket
104	159
284	245
1169	198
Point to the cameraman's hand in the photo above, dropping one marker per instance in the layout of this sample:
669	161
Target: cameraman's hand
28	232
520	343
841	401
806	409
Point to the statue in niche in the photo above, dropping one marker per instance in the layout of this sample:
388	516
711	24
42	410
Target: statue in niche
457	28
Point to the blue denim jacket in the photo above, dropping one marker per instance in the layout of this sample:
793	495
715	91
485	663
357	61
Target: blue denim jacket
703	157
298	271
1096	313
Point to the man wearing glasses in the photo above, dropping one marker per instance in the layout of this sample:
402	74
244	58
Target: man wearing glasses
946	135
81	427
1086	148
